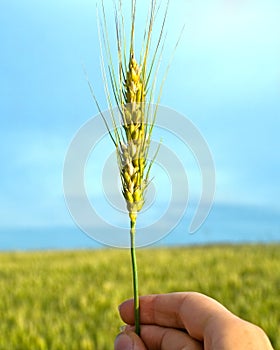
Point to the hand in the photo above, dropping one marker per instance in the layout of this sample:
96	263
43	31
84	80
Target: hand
187	321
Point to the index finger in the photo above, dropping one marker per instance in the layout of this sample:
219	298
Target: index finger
191	311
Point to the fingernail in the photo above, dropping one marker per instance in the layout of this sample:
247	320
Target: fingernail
122	328
127	328
123	342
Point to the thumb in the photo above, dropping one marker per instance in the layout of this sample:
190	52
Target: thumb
129	341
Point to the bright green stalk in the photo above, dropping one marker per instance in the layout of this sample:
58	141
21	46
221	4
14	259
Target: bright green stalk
135	277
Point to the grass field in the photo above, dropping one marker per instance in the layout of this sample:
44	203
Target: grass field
68	300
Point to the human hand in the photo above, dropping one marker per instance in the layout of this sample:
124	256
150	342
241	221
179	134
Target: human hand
189	321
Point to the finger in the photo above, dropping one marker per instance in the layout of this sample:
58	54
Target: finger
192	311
129	341
162	338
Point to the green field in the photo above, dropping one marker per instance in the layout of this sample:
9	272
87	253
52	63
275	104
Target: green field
68	300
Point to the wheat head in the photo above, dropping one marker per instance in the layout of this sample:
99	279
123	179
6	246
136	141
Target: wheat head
133	86
132	154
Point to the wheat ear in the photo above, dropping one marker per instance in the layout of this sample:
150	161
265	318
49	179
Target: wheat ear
133	88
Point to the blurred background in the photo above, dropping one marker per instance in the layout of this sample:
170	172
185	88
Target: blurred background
225	77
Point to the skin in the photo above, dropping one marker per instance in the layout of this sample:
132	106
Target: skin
187	321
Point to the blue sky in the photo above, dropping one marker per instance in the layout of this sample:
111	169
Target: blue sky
225	78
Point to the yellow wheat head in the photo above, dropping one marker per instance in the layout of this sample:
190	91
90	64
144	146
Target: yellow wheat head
133	86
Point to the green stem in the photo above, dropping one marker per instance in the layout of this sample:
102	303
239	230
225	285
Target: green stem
135	277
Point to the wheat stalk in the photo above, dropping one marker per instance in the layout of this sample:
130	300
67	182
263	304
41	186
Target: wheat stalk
133	85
